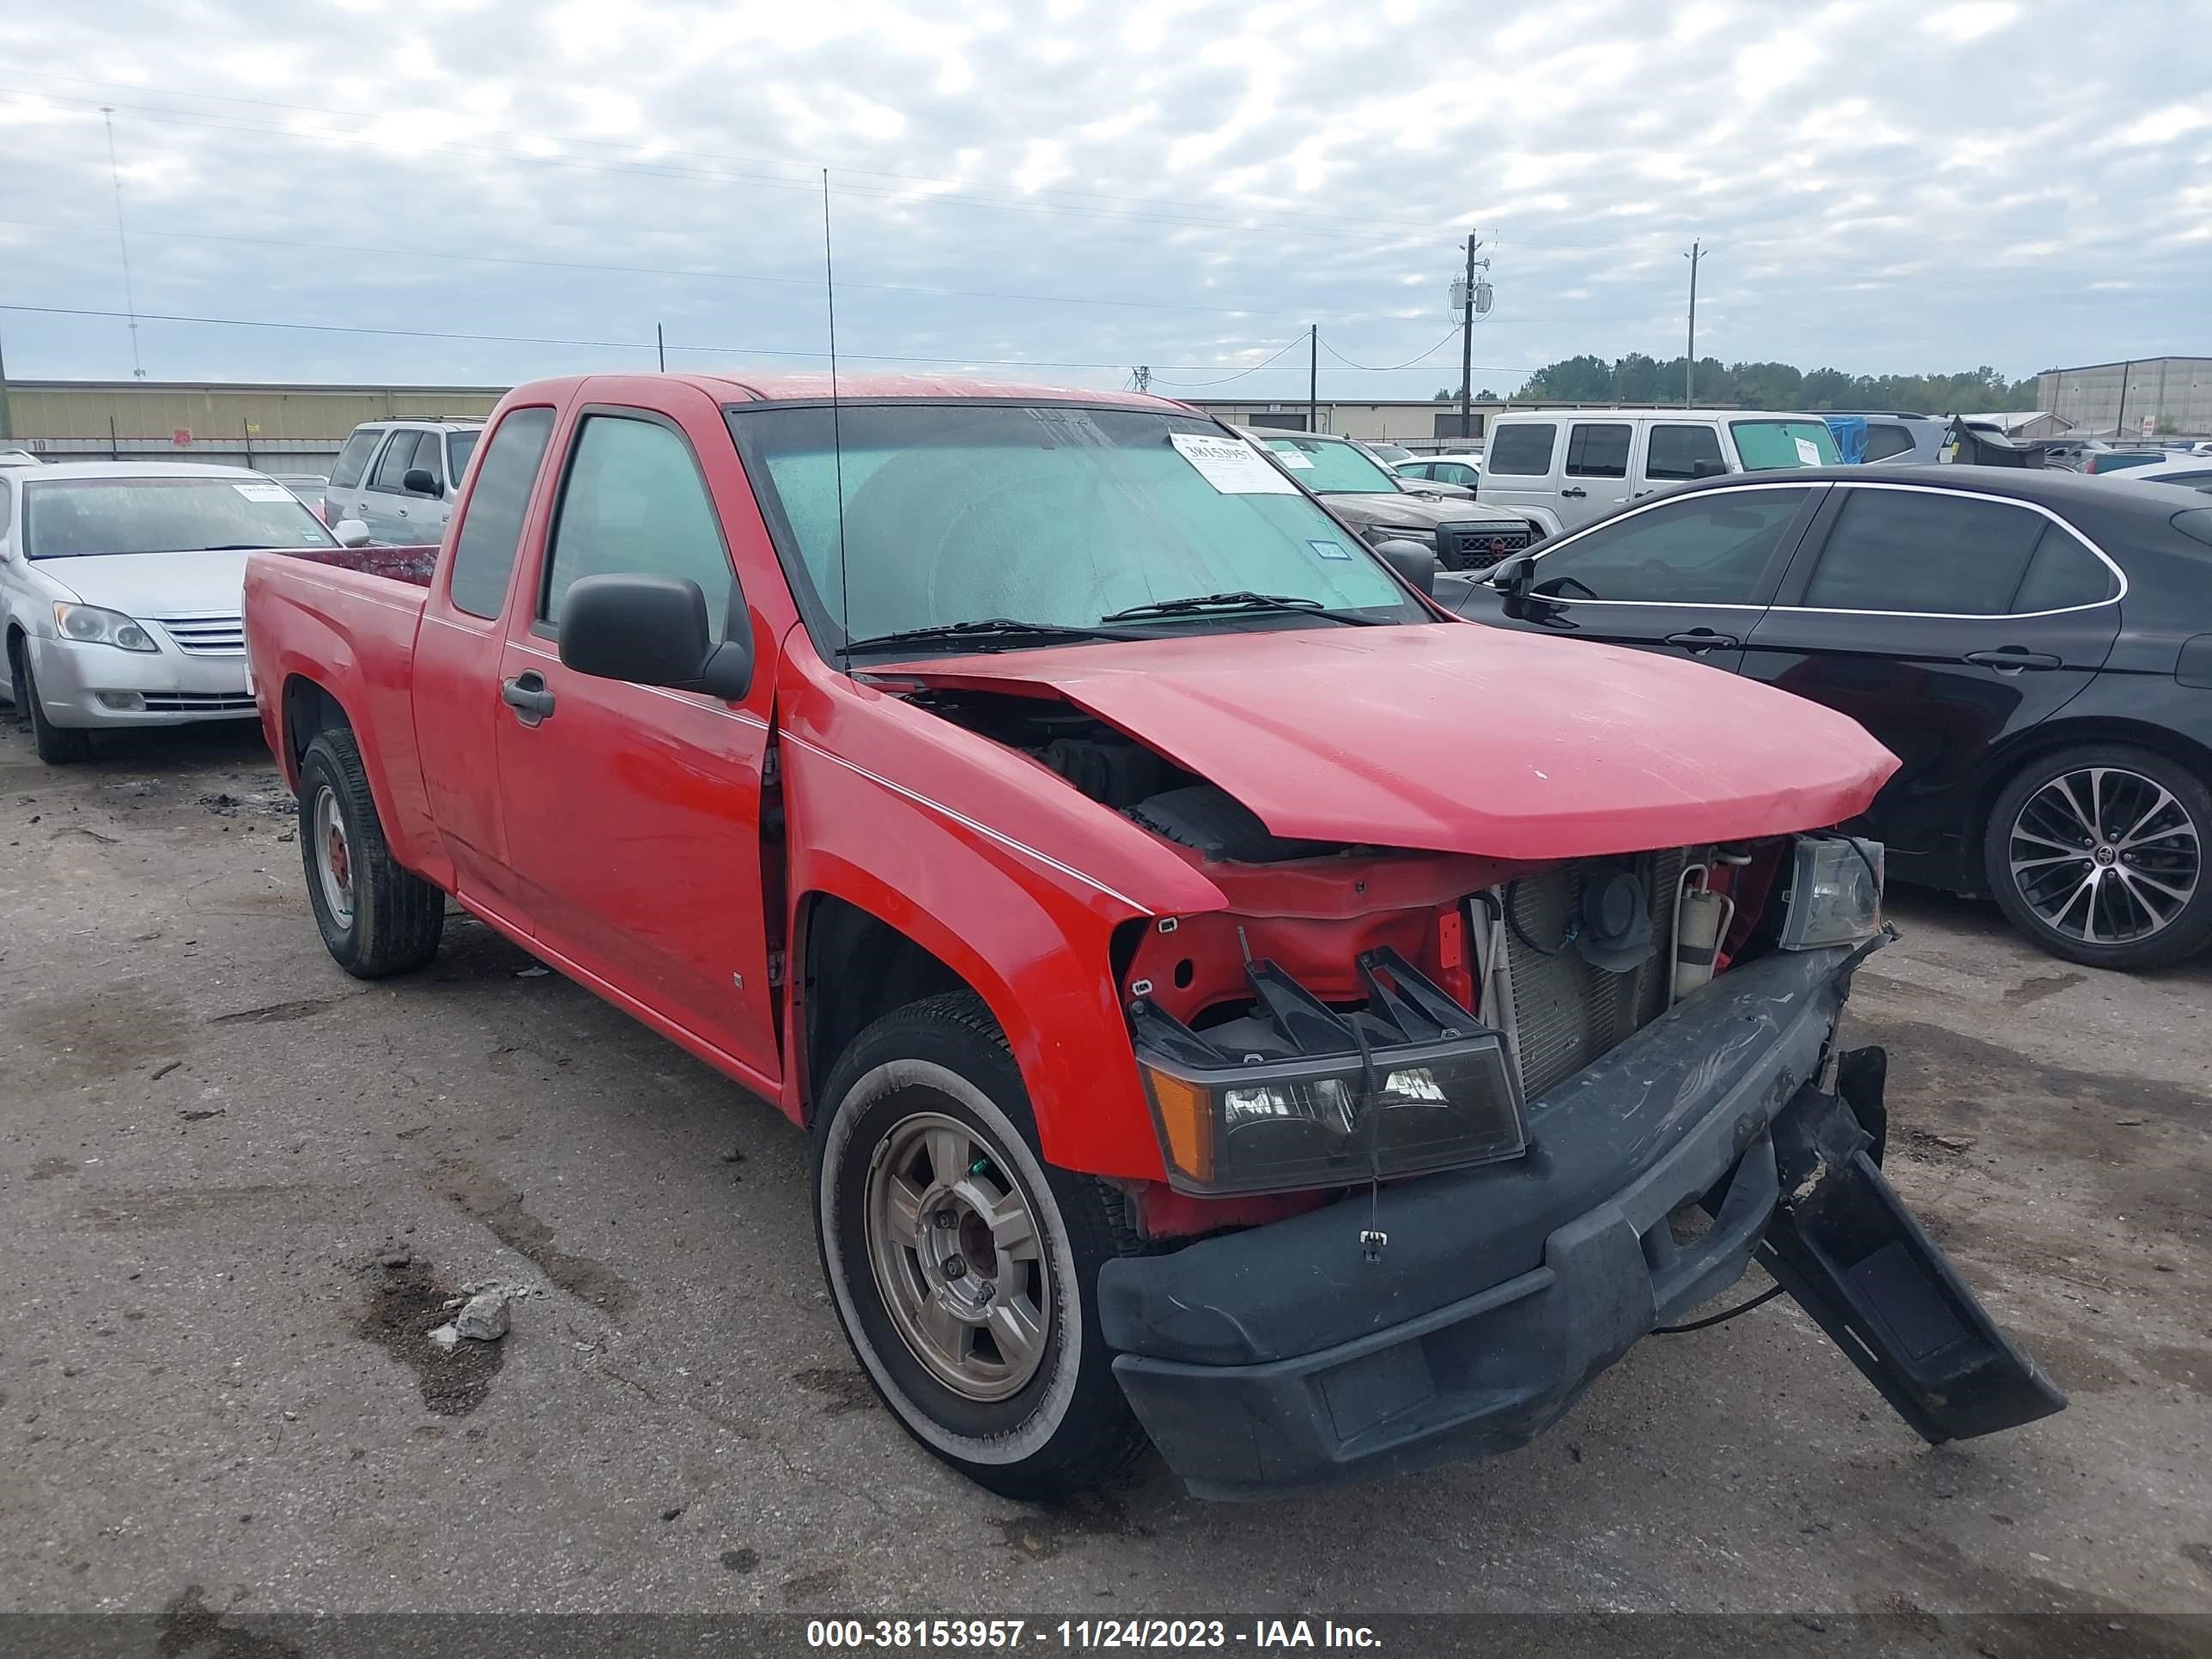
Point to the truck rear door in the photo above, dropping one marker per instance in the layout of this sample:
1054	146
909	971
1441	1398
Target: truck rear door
633	813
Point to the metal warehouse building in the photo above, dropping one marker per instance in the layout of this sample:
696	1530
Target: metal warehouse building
2136	400
277	428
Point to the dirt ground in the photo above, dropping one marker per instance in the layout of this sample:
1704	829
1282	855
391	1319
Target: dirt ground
212	1395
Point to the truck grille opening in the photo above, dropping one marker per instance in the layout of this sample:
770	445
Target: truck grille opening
1479	546
1563	1012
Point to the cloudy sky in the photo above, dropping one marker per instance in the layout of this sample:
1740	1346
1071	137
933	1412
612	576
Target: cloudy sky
1927	185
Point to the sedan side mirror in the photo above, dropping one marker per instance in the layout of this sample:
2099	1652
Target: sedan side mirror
651	630
1513	578
1415	564
419	480
350	533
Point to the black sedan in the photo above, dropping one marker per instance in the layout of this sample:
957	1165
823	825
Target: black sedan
2034	647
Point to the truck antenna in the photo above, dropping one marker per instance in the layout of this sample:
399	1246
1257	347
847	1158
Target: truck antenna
836	434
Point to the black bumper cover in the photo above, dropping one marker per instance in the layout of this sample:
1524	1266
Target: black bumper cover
1281	1357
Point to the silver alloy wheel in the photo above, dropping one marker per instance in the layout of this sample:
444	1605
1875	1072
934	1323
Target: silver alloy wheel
956	1252
333	858
2105	855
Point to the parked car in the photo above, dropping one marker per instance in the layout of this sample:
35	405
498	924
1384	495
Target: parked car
2035	647
1131	911
1581	466
2189	471
1389	454
1381	507
2102	460
400	477
120	586
309	487
1466	469
1897	437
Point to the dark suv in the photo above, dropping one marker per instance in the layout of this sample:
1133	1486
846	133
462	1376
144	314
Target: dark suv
2034	646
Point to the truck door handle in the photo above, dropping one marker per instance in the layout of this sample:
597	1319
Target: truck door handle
2012	659
527	694
1703	639
1574	492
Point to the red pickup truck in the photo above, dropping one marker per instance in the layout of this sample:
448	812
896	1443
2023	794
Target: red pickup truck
1233	1002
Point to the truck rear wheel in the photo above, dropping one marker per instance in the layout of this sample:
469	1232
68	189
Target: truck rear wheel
376	918
964	1268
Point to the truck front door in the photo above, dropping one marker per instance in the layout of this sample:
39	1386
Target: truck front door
633	813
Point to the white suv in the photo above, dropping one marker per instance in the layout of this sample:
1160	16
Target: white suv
1580	465
400	477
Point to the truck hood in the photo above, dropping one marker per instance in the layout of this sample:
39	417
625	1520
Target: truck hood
155	584
1405	508
1455	738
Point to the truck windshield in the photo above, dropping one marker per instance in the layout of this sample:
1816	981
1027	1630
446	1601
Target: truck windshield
1332	469
79	518
1049	514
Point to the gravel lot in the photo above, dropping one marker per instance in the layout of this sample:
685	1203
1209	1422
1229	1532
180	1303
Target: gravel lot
209	1137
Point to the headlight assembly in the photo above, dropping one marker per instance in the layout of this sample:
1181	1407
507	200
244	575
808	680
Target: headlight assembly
88	624
1394	532
1835	892
1297	1095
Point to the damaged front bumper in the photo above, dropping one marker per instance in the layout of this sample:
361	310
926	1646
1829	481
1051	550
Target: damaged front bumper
1283	1357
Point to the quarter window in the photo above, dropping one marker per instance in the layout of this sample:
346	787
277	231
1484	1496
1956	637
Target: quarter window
634	503
353	459
1599	450
1925	551
491	522
1716	548
2062	575
1522	450
1884	441
1676	450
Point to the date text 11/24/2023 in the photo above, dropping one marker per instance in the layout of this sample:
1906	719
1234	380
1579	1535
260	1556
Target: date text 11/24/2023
1258	1636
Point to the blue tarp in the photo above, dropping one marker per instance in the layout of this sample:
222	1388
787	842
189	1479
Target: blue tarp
1850	436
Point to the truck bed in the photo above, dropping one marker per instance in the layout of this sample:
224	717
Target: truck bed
412	565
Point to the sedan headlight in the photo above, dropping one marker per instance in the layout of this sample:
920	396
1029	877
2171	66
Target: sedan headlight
1234	1118
1835	892
88	624
1394	532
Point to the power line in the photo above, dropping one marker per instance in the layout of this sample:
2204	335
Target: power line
1226	379
1381	368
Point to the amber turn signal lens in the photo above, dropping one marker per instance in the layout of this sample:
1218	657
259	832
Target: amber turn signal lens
1186	1117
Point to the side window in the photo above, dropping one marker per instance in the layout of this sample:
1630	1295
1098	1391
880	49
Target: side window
1924	552
1676	450
1884	441
491	523
1455	473
1716	548
2062	575
635	502
398	456
1522	450
353	459
1599	449
428	458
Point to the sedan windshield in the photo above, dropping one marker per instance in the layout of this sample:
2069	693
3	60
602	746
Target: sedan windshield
1055	517
1332	468
79	518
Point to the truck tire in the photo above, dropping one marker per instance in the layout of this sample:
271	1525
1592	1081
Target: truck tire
376	918
57	746
2096	853
964	1268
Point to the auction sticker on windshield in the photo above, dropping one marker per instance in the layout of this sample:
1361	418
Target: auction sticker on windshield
1331	549
1809	453
1231	466
268	492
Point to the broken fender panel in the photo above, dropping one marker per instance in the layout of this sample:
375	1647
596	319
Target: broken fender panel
1844	1245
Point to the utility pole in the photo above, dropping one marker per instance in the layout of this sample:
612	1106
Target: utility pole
1466	348
1690	358
7	426
1313	377
122	241
1142	375
660	345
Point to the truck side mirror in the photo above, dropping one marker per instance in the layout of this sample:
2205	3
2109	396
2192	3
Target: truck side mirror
419	480
1415	564
1706	467
1513	578
651	630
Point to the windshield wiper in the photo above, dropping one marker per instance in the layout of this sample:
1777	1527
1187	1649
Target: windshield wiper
987	628
236	547
1243	600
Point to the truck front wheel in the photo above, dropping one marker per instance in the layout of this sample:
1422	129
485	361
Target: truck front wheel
376	918
964	1268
